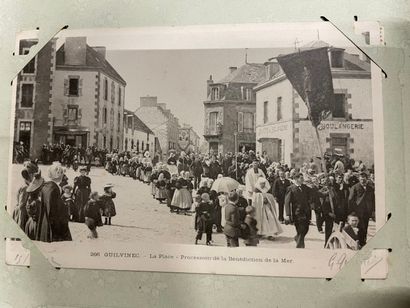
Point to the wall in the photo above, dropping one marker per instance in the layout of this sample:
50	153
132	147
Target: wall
60	101
154	118
116	131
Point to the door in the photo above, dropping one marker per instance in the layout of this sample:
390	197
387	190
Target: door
25	135
70	140
213	147
273	149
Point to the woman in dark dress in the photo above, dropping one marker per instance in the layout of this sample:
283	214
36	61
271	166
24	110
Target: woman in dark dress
82	190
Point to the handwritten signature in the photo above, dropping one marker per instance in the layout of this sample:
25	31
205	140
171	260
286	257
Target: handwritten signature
337	261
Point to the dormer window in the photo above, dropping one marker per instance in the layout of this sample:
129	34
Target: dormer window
337	58
215	93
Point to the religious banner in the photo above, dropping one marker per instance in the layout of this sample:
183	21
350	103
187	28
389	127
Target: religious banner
309	73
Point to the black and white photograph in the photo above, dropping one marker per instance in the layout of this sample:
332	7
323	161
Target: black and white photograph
203	143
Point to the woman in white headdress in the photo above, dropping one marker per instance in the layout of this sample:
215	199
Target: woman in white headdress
182	199
265	210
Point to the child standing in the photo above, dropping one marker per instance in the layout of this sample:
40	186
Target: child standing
69	203
251	222
92	214
204	213
107	204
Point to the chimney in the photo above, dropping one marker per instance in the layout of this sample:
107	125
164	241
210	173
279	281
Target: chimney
101	51
208	86
75	49
232	69
148	101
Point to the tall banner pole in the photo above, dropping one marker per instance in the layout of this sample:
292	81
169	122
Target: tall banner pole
322	158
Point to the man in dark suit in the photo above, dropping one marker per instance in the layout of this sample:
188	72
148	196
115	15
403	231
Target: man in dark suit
232	227
297	209
280	186
362	202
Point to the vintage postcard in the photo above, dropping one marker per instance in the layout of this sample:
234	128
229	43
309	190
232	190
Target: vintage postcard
228	149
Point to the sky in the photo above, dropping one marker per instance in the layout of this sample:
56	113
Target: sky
178	77
174	63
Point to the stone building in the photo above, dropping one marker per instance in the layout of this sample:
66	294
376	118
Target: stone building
32	123
283	130
230	109
137	136
69	94
87	97
188	140
161	121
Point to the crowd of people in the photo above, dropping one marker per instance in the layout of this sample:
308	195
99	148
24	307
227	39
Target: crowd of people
266	194
269	194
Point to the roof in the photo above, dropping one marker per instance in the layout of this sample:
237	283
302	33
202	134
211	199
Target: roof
352	62
138	124
141	125
93	60
247	73
315	44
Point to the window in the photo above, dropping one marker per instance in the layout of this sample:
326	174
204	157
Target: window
73	85
248	125
138	145
126	144
215	93
105	115
142	145
112	92
119	122
265	112
339	107
240	122
129	122
132	144
105	142
25	126
27	95
213	120
105	88
147	146
279	109
248	94
336	58
119	95
72	113
31	66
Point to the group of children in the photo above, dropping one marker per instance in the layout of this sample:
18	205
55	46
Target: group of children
95	208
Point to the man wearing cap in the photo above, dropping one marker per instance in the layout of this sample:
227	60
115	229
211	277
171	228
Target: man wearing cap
362	202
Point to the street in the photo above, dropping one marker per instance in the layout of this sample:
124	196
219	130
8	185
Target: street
141	218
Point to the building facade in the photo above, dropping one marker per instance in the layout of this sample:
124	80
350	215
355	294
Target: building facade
87	97
69	94
230	109
284	131
32	122
161	121
188	140
137	136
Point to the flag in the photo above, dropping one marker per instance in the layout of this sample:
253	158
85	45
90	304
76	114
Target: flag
309	73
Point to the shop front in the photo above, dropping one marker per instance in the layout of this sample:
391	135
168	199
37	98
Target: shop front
76	137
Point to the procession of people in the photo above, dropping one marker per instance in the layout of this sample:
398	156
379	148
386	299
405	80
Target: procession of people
243	195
